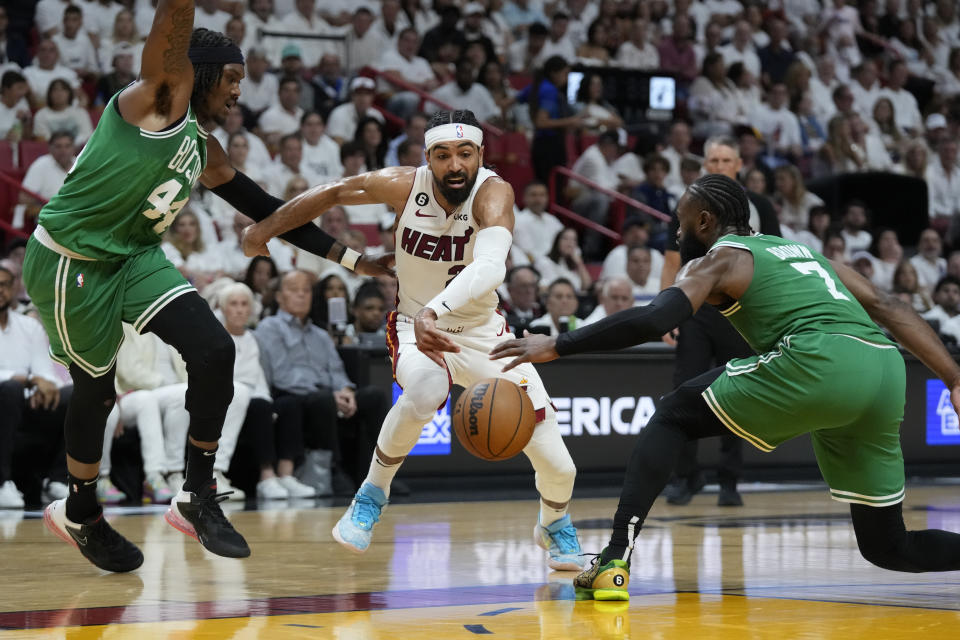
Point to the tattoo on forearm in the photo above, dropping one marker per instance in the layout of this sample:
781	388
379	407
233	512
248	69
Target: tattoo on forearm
175	59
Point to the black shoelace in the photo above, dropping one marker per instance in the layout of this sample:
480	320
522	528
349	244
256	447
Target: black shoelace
210	504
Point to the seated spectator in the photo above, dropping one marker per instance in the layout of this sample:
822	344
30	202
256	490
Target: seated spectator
282	254
778	125
258	155
76	49
525	53
713	99
368	326
519	14
676	51
522	305
45	177
677	148
363	45
32	404
905	108
292	68
558	42
594	51
236	302
123	37
639	272
690	170
854	231
410	154
835	247
465	93
262	278
209	16
616	294
596	165
929	262
875	154
534	227
564	261
371	138
755	182
598	114
813	131
886	128
321	155
839	154
943	183
638	52
260	88
282	118
353	159
328	287
822	87
388	287
561	306
889	254
907	288
342	121
441	34
815	234
287	164
635	233
948	86
184	246
741	49
416	124
45	69
119	72
312	394
792	199
61	114
946	310
15	117
914	160
403	64
653	190
329	83
864	86
353	239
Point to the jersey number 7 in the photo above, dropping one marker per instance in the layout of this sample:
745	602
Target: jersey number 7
808	268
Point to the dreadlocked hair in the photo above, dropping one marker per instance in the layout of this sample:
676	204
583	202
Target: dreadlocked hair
725	198
460	116
206	75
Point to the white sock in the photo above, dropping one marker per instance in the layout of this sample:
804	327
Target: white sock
549	515
381	474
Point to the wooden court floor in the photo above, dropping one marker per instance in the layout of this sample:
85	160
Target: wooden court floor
784	566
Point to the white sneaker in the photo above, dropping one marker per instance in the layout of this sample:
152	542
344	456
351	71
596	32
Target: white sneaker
295	488
223	485
10	497
272	489
53	490
175	481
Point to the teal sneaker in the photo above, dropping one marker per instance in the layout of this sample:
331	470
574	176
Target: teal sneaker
560	540
354	530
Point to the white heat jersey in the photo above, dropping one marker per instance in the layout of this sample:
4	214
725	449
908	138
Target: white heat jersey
432	248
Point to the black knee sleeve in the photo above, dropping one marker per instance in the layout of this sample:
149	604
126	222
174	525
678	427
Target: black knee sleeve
885	542
188	325
90	404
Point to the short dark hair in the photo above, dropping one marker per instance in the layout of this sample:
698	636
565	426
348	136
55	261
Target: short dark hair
56	135
459	116
534	183
288	80
690	164
290	136
367	290
10	78
538	29
404	147
307	114
724	198
350	148
560	281
945	280
60	82
653	160
72	8
610	136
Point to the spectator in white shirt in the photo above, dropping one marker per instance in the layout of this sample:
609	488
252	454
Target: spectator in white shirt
558	41
465	93
929	261
123	31
564	260
616	294
414	132
865	87
321	155
304	19
209	16
713	99
821	88
259	155
403	64
535	228
14	109
260	17
287	164
353	159
792	198
45	69
61	114
741	49
596	165
524	53
856	237
904	103
943	183
946	295
635	233
198	260
283	118
638	52
779	125
640	272
561	303
31	402
260	87
49	16
45	177
76	49
363	44
678	148
342	121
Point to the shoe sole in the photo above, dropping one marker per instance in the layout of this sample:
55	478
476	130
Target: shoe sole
553	564
344	543
55	530
179	523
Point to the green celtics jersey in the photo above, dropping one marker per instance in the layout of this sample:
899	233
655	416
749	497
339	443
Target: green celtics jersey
794	290
126	186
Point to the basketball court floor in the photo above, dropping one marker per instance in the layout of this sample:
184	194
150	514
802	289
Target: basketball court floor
784	566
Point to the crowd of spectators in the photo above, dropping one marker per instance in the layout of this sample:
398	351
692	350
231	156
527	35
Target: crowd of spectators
802	90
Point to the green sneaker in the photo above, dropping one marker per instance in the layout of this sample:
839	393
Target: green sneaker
607	581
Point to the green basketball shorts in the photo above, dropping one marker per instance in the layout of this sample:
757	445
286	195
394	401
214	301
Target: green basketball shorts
83	302
846	392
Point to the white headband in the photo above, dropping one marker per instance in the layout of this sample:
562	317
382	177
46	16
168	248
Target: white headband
453	132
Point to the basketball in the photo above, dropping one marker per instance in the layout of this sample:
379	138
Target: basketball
494	419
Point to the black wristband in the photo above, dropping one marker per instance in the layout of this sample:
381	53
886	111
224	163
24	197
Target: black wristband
630	327
248	198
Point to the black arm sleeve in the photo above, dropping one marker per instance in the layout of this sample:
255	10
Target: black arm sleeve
248	198
630	327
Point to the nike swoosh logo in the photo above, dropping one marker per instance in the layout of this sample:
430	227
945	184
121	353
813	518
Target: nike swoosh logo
81	541
90	482
423	215
445	304
209	453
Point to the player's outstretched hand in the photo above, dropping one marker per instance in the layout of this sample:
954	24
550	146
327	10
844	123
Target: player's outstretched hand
376	266
529	348
252	244
432	342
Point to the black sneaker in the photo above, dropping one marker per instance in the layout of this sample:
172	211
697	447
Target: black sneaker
97	541
729	497
199	516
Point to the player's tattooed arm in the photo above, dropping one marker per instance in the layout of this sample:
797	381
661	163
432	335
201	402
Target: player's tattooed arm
175	60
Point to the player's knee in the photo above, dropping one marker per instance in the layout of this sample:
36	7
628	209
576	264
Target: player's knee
213	359
425	398
881	556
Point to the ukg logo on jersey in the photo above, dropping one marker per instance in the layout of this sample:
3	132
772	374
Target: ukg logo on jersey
589	416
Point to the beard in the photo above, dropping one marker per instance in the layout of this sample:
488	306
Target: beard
691	248
459	195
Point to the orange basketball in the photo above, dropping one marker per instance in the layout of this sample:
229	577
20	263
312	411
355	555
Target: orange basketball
494	419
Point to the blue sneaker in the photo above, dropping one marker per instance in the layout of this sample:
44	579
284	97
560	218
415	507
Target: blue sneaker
355	528
560	539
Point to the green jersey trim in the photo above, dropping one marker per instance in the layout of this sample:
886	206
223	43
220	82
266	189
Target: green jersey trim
60	318
728	422
870	501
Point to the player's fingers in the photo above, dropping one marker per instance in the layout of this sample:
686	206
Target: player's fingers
435	356
498	351
516	361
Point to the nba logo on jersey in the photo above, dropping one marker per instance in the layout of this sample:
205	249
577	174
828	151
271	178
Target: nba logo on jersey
80	280
459	131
